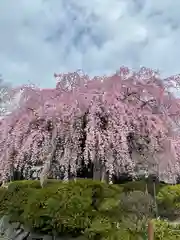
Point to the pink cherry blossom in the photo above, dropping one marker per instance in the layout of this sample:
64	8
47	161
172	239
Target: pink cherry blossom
126	122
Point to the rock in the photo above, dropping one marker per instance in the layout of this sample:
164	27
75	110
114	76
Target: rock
15	225
4	224
33	236
22	236
18	231
10	232
48	237
22	227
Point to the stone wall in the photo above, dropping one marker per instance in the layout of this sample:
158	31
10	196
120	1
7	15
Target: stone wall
16	231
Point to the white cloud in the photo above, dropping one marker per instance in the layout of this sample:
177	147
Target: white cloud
41	37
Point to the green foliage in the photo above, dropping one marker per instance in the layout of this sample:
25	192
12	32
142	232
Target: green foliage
90	208
67	208
169	201
138	203
13	202
4	197
166	231
61	208
16	185
31	184
141	185
138	208
124	217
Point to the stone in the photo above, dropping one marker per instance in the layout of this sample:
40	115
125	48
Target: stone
18	231
4	224
21	227
15	225
34	236
48	237
10	232
22	236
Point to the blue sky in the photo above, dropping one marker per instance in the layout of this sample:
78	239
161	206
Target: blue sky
40	37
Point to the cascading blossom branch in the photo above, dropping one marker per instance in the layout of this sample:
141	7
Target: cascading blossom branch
125	123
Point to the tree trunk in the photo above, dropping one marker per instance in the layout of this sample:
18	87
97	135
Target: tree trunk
11	172
99	172
96	170
104	175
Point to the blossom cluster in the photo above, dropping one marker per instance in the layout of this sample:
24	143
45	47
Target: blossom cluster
126	122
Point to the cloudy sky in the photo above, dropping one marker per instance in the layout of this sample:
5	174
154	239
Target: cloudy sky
40	37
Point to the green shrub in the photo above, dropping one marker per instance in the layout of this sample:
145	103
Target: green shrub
137	208
124	217
138	204
169	201
85	207
61	207
103	228
31	184
13	202
141	186
3	197
166	231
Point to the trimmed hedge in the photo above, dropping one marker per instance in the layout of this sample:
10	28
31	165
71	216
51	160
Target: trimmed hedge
168	200
64	208
32	184
90	208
